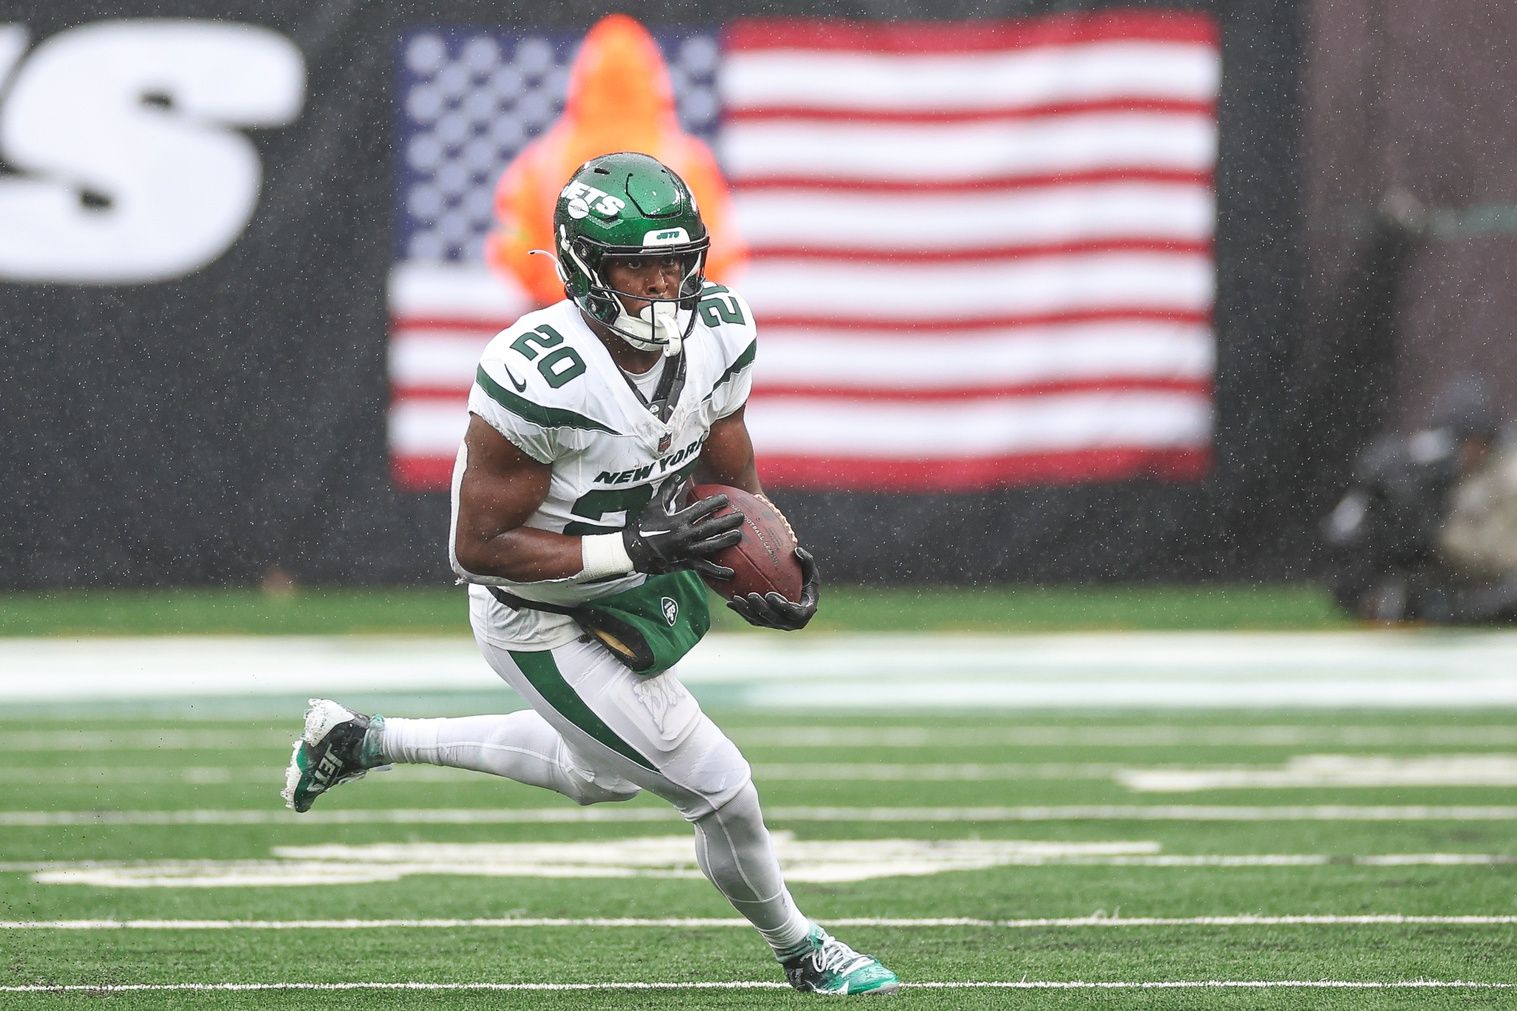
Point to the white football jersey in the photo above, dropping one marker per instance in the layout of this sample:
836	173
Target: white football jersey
549	385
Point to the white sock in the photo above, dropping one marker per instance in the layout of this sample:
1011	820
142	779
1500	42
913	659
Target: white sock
520	746
734	851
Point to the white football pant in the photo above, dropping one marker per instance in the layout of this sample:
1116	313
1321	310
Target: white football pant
598	732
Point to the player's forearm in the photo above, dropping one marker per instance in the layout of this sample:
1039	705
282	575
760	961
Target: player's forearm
522	555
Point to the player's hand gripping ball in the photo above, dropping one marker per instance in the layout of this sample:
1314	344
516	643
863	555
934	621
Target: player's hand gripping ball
774	582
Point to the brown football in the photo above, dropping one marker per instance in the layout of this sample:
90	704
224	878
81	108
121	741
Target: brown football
764	559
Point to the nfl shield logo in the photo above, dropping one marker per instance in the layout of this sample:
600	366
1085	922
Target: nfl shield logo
671	609
665	442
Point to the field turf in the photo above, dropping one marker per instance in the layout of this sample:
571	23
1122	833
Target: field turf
138	797
444	610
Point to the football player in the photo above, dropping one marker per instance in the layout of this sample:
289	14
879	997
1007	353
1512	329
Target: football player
570	525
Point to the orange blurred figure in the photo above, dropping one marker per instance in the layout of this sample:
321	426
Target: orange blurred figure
619	99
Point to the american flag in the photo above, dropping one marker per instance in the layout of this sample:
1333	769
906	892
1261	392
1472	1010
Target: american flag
981	252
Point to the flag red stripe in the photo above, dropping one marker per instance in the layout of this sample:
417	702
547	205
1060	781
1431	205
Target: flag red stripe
455	395
983	254
404	393
449	323
1066	467
416	327
921	38
856	115
979	184
435	473
422	473
892	325
984	391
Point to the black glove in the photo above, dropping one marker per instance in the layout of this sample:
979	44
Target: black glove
663	538
773	611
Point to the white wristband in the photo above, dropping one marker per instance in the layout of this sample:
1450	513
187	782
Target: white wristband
603	555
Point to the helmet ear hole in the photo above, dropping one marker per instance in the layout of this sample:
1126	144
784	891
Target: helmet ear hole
605	307
589	253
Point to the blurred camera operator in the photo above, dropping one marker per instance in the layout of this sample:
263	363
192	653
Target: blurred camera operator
1428	529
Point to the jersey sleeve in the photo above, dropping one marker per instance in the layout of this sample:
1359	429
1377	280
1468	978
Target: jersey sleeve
503	395
739	341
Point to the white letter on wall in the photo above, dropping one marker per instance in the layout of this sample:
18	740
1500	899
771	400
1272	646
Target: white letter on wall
136	114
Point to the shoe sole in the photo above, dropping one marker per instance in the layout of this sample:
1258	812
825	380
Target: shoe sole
884	990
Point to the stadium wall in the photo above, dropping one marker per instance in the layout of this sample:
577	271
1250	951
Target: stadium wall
1410	153
214	425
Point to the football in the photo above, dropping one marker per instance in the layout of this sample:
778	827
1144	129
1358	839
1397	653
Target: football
764	559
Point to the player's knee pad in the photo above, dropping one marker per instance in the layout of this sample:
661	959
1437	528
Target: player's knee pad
741	812
586	786
595	793
713	777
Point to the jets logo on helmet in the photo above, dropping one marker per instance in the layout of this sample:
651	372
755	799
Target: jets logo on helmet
579	197
629	205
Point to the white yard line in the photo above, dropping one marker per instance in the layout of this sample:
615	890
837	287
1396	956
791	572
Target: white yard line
1337	771
1023	984
698	923
558	815
1301	771
168	739
902	737
802	772
824	672
285	873
1150	736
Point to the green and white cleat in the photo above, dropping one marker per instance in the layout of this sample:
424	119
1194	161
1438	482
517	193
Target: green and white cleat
829	966
337	746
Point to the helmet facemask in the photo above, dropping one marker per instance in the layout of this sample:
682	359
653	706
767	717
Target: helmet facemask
662	324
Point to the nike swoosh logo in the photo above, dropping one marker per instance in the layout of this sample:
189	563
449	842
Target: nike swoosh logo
520	387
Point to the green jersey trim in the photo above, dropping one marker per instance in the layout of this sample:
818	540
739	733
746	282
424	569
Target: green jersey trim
542	672
543	417
743	361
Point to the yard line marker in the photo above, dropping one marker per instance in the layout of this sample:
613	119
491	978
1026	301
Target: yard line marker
798	772
700	923
1301	771
169	739
1342	771
285	868
1156	735
556	815
1024	984
1021	672
884	772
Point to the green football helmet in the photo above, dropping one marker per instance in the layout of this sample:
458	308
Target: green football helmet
629	205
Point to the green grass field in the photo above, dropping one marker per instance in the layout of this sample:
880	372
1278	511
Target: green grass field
165	808
323	611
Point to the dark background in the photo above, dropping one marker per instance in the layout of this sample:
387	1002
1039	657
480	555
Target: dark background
208	429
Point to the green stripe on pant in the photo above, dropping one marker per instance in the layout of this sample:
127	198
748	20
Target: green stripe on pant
544	676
